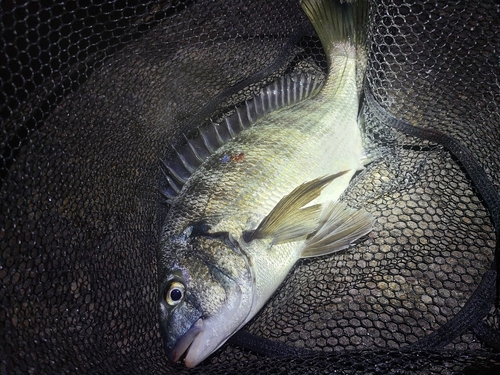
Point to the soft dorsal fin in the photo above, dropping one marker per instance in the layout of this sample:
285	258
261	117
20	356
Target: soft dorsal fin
284	92
288	220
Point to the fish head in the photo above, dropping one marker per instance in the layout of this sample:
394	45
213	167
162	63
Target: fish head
206	293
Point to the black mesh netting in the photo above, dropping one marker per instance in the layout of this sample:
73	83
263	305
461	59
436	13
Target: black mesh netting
93	93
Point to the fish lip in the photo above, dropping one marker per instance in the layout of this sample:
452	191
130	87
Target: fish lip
182	345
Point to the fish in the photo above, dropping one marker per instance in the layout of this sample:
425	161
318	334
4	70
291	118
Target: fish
252	195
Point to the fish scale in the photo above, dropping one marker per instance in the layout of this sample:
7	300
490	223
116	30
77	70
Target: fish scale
259	197
285	91
285	149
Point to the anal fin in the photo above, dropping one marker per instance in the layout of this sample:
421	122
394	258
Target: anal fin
339	226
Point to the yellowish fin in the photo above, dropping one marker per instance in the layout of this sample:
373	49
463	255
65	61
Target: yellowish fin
339	227
288	220
341	28
337	21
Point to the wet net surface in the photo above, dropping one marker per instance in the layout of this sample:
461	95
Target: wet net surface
93	94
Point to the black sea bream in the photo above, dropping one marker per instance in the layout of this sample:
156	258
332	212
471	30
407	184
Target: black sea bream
265	197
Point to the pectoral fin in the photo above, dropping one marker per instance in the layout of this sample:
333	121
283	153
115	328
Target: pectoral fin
288	220
339	226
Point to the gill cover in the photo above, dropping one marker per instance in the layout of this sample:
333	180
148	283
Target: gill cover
205	296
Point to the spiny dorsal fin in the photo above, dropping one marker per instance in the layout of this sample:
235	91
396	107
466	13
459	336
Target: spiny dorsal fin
187	158
288	220
339	226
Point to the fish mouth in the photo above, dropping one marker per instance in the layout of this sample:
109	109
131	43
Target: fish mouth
196	344
183	345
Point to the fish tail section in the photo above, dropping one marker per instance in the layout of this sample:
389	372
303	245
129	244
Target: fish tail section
337	21
339	226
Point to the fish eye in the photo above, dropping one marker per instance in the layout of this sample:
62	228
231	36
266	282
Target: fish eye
175	293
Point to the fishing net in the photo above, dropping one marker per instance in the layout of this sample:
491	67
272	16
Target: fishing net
94	93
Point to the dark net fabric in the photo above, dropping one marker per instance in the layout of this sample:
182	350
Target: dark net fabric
94	93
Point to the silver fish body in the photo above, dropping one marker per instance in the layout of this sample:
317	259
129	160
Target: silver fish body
261	201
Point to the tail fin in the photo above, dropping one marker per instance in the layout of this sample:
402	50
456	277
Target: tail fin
338	21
